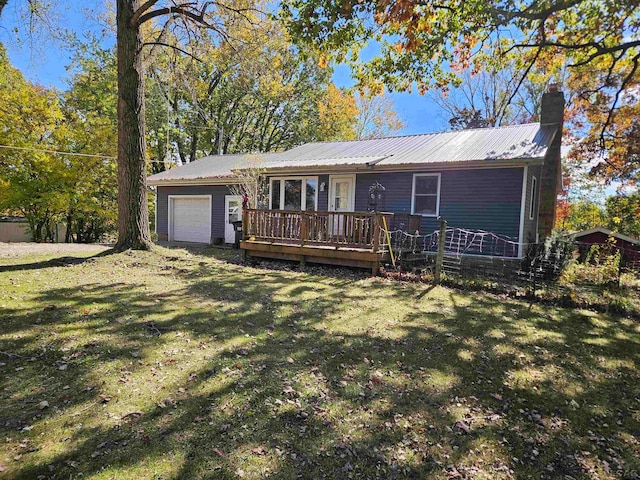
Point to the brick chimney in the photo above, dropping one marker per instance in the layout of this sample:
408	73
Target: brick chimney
551	116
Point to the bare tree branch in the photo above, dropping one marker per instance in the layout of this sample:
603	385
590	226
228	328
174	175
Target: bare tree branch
143	8
623	86
183	10
174	47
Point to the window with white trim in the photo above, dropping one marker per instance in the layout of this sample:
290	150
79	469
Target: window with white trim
534	197
425	198
293	193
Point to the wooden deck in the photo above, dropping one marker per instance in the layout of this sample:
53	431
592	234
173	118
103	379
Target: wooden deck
338	238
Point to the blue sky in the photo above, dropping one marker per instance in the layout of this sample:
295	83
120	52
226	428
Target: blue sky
44	61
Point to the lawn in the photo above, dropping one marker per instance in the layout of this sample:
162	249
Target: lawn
177	364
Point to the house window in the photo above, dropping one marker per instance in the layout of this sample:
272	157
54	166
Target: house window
294	193
425	198
534	197
275	195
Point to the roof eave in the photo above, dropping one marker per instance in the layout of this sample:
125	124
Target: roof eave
373	167
381	167
178	182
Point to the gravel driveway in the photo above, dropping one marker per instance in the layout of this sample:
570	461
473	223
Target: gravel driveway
23	249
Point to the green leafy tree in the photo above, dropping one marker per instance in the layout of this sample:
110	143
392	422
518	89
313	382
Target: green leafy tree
258	95
89	107
376	116
583	215
32	181
623	212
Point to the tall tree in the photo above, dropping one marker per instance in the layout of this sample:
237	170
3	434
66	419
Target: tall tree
131	17
376	117
623	212
90	111
337	115
32	179
260	95
483	95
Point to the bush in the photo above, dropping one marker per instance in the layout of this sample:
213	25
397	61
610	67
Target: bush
601	266
550	259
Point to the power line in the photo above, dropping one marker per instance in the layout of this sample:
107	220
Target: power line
57	152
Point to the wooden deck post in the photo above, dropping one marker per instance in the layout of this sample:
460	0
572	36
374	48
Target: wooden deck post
441	244
375	241
304	228
245	224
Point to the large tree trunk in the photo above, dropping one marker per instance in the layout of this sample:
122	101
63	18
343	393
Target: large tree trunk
133	211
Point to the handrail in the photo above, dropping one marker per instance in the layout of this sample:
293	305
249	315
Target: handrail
315	228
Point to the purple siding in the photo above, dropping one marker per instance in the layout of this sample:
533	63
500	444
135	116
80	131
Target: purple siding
217	193
323	197
479	199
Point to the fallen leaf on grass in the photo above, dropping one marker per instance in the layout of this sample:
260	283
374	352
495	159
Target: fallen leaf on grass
497	396
132	415
460	425
259	450
43	404
218	452
3	468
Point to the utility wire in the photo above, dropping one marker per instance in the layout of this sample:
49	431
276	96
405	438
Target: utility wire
56	152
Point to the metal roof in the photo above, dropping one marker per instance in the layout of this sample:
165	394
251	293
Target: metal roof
517	142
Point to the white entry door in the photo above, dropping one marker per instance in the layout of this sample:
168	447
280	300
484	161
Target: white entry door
233	209
342	189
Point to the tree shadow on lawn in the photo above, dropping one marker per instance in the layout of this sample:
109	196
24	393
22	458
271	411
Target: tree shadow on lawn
55	262
285	375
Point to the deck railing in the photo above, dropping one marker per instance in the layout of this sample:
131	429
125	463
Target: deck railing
336	229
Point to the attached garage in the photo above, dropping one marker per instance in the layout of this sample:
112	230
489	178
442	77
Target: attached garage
190	218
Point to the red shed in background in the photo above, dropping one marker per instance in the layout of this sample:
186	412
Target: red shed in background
600	236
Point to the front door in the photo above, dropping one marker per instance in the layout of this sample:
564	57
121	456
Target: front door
233	213
341	199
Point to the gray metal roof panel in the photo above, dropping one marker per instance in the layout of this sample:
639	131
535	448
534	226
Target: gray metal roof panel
517	142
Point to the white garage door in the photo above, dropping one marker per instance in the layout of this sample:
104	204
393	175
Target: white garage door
190	219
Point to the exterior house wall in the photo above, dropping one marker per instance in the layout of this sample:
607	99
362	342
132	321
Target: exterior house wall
323	196
217	193
477	199
531	225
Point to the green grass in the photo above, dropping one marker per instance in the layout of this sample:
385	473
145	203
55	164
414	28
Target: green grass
187	365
